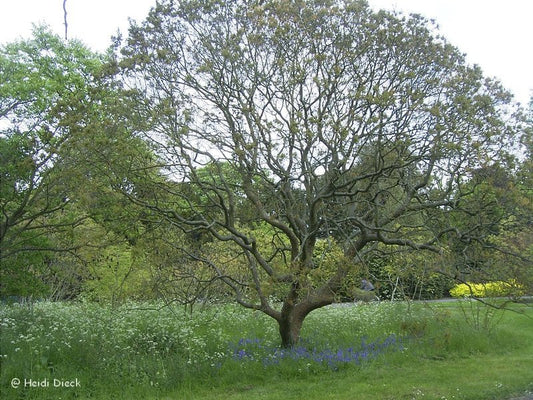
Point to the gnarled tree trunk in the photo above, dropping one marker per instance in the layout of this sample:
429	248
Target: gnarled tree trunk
289	329
296	309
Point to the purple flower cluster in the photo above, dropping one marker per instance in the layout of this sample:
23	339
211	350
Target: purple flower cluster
256	350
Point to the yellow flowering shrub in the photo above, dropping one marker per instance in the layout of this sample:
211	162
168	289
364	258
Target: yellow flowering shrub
488	289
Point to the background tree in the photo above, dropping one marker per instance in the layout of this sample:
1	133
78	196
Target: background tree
335	122
39	76
62	126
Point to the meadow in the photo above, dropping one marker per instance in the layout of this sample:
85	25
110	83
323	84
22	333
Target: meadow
401	350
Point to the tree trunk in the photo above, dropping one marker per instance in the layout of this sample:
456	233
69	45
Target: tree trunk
290	325
294	309
292	317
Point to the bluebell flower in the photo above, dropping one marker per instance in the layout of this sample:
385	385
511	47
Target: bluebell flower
255	350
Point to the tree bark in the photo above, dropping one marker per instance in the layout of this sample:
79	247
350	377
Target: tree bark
293	315
295	309
289	330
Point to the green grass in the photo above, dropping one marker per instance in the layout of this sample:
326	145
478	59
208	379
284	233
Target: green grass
458	350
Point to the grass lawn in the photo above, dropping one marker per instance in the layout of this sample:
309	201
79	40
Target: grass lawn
473	378
494	369
454	350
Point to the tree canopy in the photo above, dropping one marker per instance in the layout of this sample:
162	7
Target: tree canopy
326	120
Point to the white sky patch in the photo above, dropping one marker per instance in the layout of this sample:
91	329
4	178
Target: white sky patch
496	35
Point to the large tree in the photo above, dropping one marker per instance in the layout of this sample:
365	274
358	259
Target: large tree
325	119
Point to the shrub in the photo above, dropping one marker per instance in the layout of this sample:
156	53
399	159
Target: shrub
488	289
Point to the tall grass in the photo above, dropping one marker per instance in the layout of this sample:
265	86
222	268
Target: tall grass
145	350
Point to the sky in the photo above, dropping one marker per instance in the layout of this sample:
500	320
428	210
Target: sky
495	34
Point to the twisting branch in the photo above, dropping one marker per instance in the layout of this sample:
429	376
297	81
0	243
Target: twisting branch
65	18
